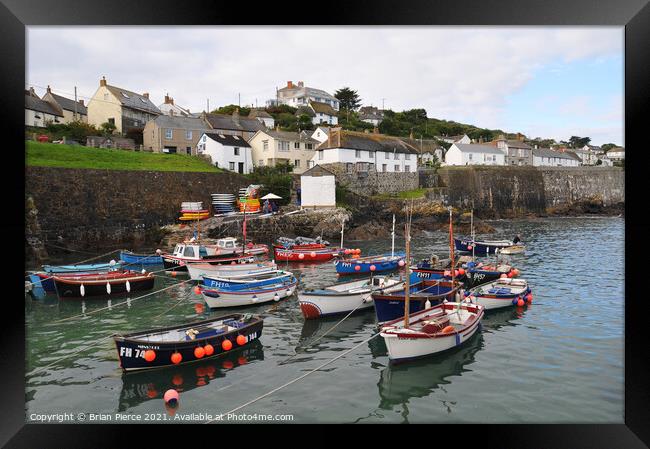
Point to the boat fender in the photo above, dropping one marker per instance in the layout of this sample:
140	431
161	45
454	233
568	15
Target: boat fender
427	304
128	286
254	298
82	290
108	288
289	292
276	297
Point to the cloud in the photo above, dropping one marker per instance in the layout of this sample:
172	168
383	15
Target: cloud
456	73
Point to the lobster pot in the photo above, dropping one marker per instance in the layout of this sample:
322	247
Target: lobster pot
223	203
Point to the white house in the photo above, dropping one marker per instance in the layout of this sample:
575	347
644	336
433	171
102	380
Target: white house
270	148
321	133
319	113
264	117
39	112
371	114
461	138
474	154
318	188
616	154
363	152
296	95
169	108
549	158
227	151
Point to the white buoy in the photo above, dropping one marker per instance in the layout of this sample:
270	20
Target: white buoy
144	271
254	298
159	252
289	292
276	297
112	262
128	286
82	290
108	288
427	304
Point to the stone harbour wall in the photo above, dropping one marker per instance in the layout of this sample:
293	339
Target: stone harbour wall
373	182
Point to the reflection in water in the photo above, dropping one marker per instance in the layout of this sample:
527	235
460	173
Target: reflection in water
312	329
140	386
419	378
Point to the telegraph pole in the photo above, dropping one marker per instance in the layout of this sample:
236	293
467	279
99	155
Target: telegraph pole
208	105
75	103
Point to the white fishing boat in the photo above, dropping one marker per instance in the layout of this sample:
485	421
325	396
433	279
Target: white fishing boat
514	249
345	297
198	270
504	292
217	298
432	330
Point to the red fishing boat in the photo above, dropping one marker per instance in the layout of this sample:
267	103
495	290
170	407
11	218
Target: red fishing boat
281	254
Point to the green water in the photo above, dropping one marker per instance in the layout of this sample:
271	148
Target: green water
559	360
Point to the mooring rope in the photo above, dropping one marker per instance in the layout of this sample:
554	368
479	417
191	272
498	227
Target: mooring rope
87	260
296	379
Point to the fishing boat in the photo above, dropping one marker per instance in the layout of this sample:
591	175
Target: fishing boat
188	252
434	329
302	243
423	293
198	270
82	268
369	264
246	281
482	248
186	343
281	254
219	298
228	246
431	331
132	258
96	284
345	297
478	273
514	249
504	292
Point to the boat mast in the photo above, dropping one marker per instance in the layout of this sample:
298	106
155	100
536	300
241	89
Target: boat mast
243	228
392	247
451	247
473	237
342	227
407	287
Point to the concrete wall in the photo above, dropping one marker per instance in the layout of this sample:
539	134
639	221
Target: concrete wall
510	191
105	208
373	182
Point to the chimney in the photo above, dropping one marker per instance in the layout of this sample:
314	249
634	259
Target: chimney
168	99
146	95
49	91
81	102
290	84
301	84
102	82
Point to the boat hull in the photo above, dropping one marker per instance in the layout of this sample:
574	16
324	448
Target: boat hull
179	263
218	299
495	300
480	248
141	259
305	255
87	268
347	267
131	351
246	282
198	270
389	307
72	288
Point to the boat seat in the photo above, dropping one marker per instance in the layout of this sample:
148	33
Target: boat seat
202	332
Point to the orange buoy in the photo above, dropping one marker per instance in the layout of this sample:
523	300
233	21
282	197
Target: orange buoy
313	254
357	267
373	268
346	252
461	271
149	355
241	340
226	345
227	364
301	256
197	290
171	396
503	276
448	330
199	352
515	272
529	298
176	358
209	349
358	251
521	302
510	274
173	274
198	308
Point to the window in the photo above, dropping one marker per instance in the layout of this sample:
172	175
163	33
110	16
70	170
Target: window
320	155
407	157
309	146
396	167
349	167
407	168
236	150
384	168
188	134
362	166
189	252
469	156
105	97
111	120
296	145
357	153
371	166
231	166
387	155
283	145
168	133
396	156
296	163
265	145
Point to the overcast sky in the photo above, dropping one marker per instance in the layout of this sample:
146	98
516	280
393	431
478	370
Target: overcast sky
542	81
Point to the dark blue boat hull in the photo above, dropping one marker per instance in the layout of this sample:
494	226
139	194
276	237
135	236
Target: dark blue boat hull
477	248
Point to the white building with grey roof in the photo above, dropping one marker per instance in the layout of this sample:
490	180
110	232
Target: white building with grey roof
226	151
297	95
545	157
474	154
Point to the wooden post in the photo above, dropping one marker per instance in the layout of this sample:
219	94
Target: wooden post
407	287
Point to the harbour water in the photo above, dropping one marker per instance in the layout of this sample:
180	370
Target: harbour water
558	360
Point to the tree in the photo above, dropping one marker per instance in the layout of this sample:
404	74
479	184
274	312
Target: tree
579	142
229	109
304	122
107	128
349	99
608	146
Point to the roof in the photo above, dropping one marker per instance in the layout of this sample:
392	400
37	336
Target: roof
36	104
547	152
259	113
228	140
367	141
133	100
518	144
304	110
476	148
69	104
166	107
297	91
317	170
180	122
222	121
290	135
424	145
322	108
325	129
616	150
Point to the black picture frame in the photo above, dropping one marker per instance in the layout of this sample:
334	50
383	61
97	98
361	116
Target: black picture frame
634	15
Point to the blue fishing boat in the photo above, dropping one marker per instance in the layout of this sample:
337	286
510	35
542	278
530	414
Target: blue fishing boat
246	281
481	248
132	258
84	268
390	306
364	265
